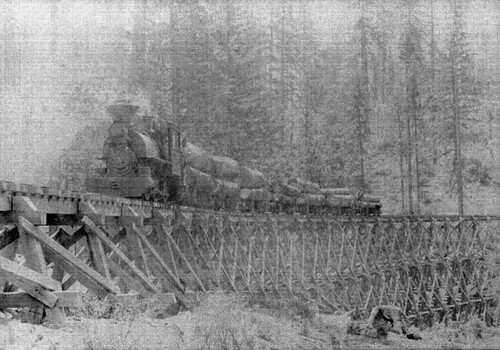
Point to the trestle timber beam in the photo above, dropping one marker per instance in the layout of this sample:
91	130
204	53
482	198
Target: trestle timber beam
23	206
106	241
116	239
97	255
35	260
5	201
49	206
131	282
35	284
168	233
172	281
87	276
21	299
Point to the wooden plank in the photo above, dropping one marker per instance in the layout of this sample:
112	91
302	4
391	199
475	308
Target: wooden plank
32	251
58	273
116	239
105	240
88	209
8	252
53	205
72	265
22	299
183	257
130	216
142	259
32	282
35	260
157	256
24	207
177	288
124	298
132	283
5	202
97	255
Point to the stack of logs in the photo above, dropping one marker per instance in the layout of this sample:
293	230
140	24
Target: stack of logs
212	179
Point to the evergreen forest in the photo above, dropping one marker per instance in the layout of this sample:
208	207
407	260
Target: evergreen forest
396	98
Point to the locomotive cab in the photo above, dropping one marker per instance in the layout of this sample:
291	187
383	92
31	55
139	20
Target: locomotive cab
170	137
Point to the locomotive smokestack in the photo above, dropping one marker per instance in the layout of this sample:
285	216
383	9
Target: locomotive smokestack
122	111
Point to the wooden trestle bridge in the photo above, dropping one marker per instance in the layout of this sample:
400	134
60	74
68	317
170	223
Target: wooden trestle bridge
431	267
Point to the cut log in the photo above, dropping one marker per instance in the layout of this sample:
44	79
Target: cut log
287	200
365	197
290	191
245	194
304	185
276	197
21	299
37	285
226	189
260	195
314	200
335	191
341	200
252	179
200	180
225	168
369	204
198	158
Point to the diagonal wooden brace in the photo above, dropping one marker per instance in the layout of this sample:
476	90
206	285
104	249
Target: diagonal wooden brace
87	276
32	282
106	241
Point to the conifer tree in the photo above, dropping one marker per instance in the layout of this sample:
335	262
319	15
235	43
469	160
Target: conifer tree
459	96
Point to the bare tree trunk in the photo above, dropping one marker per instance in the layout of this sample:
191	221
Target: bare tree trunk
174	90
306	93
455	81
409	158
458	166
282	92
415	111
401	161
497	109
433	49
364	92
409	146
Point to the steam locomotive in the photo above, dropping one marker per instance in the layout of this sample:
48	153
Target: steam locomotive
150	159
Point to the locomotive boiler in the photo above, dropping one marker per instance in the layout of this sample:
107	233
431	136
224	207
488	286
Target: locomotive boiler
150	159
